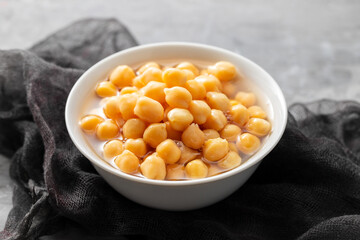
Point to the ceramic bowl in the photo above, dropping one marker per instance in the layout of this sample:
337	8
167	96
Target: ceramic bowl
178	195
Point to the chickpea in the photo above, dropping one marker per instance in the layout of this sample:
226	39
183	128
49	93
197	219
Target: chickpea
122	76
210	82
144	67
248	143
230	161
233	102
155	134
187	154
173	77
136	146
171	133
175	172
218	101
107	130
166	111
177	97
112	108
188	66
210	134
229	89
213	170
169	151
126	90
180	118
200	111
193	137
127	162
113	148
106	89
149	110
232	147
189	75
215	149
239	114
196	169
154	90
196	89
151	74
90	122
134	128
230	132
216	120
138	82
247	99
153	167
224	71
258	127
127	103
256	112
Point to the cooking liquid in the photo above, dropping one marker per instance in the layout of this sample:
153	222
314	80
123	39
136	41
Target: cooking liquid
95	104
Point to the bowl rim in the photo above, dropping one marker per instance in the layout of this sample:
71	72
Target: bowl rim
253	160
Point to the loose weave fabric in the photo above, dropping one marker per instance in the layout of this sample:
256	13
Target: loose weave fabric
308	187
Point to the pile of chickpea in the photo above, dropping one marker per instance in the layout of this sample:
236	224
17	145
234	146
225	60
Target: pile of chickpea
175	123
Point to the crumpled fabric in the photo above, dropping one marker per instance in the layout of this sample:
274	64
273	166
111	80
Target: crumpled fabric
308	187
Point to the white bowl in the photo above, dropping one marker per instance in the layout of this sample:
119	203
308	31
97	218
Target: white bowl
177	195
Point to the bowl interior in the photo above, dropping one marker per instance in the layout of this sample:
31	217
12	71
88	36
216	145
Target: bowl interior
256	79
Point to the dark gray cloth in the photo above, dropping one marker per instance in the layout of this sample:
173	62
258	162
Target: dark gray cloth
308	187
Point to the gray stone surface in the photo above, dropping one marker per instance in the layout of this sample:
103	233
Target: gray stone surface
311	48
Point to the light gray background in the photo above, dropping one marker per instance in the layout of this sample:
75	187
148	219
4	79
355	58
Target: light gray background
311	48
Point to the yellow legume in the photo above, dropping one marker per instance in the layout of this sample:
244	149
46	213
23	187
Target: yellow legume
149	110
155	134
90	122
210	134
177	97
215	149
210	82
188	66
196	169
173	77
175	172
134	128
107	130
153	167
239	114
154	90
200	111
122	76
248	143
144	67
112	107
113	148
126	90
187	154
247	99
136	146
216	120
230	132
193	137
223	70
256	112
230	161
169	151
218	101
171	133
127	103
106	89
258	127
196	89
127	161
180	118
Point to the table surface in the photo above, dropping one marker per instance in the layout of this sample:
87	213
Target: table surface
311	48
